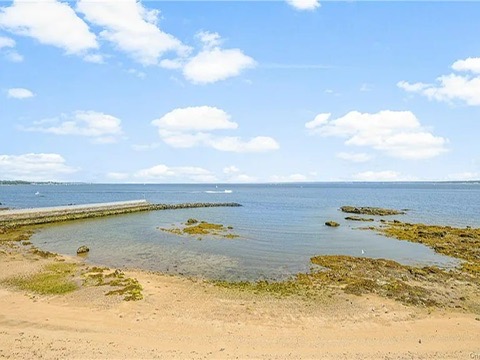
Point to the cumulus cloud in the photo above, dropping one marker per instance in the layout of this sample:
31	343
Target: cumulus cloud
464	176
469	64
34	167
19	93
232	169
387	175
354	157
132	29
213	63
319	120
452	87
199	118
94	58
304	4
7	48
396	133
49	22
145	147
234	175
242	178
180	173
6	42
193	126
13	56
102	128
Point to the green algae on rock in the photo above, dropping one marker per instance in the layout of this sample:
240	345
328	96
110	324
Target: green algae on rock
375	211
461	243
193	227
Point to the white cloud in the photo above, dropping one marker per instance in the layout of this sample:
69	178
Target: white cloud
20	93
166	173
417	87
193	126
118	176
137	73
232	169
397	133
289	178
6	42
387	175
34	167
145	147
51	23
469	64
354	157
132	28
242	178
210	40
102	128
304	4
10	54
234	175
199	118
94	58
465	87
320	119
464	176
213	64
13	56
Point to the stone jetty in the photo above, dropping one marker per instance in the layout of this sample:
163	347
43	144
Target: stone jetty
21	217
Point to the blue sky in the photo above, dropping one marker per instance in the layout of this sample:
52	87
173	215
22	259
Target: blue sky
272	91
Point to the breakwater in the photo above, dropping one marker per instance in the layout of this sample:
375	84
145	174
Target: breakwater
22	217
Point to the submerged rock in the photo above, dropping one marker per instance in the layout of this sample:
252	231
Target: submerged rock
371	211
332	224
83	249
358	218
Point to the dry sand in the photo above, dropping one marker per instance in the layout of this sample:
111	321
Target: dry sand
190	319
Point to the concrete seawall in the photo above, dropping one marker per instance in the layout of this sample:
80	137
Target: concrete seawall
22	217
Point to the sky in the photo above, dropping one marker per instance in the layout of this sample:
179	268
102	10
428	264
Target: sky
239	91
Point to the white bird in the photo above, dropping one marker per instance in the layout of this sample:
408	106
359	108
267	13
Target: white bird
363	251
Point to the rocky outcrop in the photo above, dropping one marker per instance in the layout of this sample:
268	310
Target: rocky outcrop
358	218
375	211
332	224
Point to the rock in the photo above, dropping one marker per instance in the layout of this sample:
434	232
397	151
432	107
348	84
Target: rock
83	250
191	221
358	218
332	224
370	211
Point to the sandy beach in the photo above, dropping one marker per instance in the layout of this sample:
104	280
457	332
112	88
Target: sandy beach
181	318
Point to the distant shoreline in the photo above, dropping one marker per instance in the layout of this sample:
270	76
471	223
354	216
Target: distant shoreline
43	183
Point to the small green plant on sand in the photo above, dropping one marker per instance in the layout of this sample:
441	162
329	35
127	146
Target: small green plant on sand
54	279
129	288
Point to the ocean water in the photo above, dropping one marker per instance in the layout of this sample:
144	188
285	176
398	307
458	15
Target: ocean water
281	226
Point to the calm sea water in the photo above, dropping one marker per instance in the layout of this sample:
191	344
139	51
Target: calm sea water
280	226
